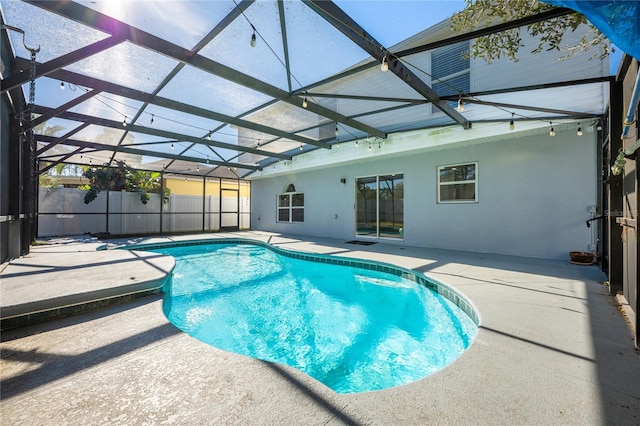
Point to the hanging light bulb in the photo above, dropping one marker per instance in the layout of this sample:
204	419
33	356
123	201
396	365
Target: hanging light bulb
579	133
384	66
337	144
151	121
304	103
512	124
253	37
551	131
197	167
356	143
460	104
301	147
207	159
209	136
124	122
62	85
599	126
336	132
172	145
369	147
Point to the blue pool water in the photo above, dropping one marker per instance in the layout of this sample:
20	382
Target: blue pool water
351	328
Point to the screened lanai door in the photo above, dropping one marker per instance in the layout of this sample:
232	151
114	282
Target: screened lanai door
229	209
380	206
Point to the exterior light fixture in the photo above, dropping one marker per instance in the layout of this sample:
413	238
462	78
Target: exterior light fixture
512	124
356	143
62	85
336	132
197	167
124	122
172	145
151	121
579	133
551	131
599	127
304	101
253	39
301	147
384	66
460	104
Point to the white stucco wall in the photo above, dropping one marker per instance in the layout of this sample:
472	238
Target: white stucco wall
534	192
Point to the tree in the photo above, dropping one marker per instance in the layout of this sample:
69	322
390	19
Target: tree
122	177
507	43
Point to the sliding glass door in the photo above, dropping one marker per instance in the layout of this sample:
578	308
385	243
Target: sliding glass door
380	206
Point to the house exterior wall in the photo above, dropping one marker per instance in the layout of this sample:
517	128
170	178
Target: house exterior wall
534	195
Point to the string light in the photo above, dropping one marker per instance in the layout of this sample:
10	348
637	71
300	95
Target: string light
384	66
460	104
62	85
551	131
579	133
512	124
253	37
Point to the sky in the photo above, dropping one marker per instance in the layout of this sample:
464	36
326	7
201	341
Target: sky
390	25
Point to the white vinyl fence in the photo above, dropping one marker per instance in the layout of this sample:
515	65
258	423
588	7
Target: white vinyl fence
62	212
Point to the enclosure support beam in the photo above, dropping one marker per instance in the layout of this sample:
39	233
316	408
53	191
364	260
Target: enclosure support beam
340	20
110	25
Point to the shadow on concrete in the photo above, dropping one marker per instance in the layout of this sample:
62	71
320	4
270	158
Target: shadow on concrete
318	399
42	269
71	320
55	367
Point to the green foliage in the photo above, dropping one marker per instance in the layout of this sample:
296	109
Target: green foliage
478	13
122	177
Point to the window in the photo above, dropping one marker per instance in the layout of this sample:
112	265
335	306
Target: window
450	71
291	206
380	206
458	183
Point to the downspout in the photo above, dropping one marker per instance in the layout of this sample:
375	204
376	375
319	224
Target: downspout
618	165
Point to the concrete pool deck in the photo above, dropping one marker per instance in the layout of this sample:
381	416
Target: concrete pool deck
552	348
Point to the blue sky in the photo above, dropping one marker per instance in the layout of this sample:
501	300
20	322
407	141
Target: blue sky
390	25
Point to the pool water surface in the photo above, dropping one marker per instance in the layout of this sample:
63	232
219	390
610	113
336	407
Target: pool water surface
351	328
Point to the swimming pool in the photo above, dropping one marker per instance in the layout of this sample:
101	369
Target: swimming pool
353	325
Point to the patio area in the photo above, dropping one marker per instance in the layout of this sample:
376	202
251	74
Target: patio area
552	348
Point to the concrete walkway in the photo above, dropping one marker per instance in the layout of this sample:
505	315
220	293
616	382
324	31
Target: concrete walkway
69	275
552	348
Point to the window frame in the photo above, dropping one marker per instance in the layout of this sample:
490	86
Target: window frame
444	79
439	184
290	207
